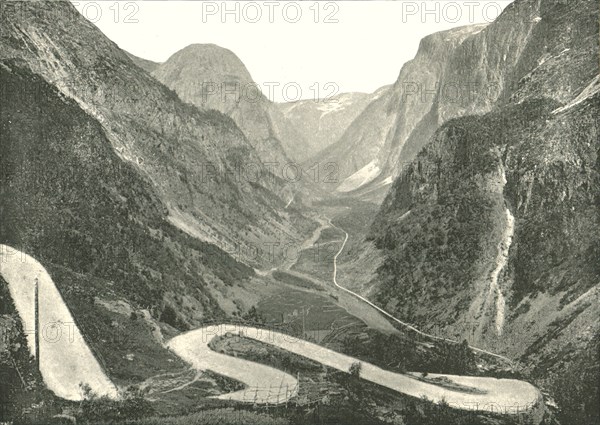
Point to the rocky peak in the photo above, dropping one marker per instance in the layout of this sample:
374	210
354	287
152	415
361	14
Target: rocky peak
204	63
212	77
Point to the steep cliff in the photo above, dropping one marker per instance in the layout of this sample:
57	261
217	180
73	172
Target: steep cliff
212	77
534	49
368	153
200	163
501	245
460	72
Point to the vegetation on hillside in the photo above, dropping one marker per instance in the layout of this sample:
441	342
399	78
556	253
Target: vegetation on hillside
403	353
70	201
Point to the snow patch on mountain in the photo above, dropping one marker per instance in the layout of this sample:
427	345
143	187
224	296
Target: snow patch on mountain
363	176
335	105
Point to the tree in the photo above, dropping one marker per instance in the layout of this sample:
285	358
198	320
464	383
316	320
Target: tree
132	405
254	317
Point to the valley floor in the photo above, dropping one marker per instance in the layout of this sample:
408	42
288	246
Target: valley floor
70	363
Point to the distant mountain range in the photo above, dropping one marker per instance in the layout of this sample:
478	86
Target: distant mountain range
213	77
322	121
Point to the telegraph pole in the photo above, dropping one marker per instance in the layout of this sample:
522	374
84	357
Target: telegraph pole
303	324
37	324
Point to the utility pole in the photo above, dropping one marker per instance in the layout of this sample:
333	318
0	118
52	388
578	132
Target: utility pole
37	324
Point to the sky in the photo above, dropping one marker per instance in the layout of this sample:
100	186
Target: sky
293	50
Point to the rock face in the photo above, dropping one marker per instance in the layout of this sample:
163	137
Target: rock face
212	77
322	121
377	136
458	72
196	161
501	245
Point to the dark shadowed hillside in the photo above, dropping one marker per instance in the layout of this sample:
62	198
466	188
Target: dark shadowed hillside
70	201
202	166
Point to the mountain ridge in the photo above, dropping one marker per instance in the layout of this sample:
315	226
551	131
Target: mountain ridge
213	77
371	141
192	157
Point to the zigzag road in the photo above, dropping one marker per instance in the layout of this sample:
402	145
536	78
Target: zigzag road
66	362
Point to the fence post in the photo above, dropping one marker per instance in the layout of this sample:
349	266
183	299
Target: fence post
297	389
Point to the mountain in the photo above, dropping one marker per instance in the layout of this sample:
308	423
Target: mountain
368	153
452	75
128	197
98	226
70	201
134	202
206	173
212	77
322	121
491	232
